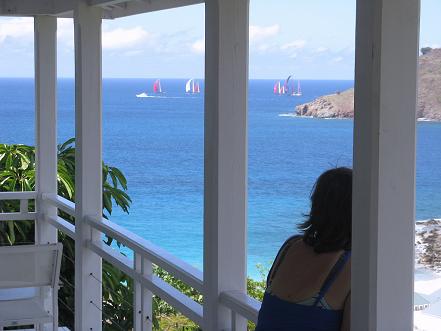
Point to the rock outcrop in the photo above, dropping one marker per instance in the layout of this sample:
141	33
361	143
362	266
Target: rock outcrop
428	244
341	105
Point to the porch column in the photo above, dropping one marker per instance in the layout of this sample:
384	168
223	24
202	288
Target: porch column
225	187
88	163
45	41
384	164
45	55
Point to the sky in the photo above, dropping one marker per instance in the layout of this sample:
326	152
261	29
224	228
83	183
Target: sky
310	39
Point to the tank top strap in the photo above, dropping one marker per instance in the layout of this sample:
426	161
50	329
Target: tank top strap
335	271
279	258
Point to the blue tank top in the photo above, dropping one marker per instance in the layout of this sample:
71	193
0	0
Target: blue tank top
281	315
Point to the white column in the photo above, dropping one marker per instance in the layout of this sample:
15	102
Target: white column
384	164
225	197
142	298
88	167
45	35
45	43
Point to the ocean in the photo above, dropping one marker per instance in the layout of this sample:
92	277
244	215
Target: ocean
158	143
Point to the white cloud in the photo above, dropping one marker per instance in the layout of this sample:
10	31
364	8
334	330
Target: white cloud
135	52
337	59
296	44
198	46
321	49
259	33
121	38
22	28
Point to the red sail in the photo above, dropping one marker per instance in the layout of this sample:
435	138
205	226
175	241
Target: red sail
197	88
157	86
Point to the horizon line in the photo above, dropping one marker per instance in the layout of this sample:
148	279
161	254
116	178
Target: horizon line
176	78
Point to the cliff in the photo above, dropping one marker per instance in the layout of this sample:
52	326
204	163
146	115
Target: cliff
341	105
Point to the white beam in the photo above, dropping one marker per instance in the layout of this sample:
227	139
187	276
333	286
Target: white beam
139	7
384	164
103	3
225	188
45	51
35	7
88	164
45	31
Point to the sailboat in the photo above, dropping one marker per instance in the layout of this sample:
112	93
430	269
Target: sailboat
286	85
192	86
157	86
279	88
299	91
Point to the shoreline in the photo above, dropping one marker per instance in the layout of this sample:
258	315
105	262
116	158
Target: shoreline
294	115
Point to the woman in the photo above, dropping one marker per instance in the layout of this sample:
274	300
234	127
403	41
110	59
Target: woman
309	284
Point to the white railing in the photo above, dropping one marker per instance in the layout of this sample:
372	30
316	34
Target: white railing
24	214
241	304
139	268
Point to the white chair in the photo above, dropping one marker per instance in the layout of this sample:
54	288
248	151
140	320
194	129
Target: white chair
28	274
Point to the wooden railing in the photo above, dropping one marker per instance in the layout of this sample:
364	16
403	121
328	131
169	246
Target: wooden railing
140	267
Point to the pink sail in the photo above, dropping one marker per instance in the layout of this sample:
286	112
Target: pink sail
277	88
157	86
197	89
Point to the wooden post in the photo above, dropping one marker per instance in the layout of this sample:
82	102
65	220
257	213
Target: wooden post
225	186
143	309
384	164
88	164
45	36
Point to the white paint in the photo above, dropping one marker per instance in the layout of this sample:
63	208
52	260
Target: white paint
88	176
143	309
165	291
46	121
45	49
178	268
384	165
225	184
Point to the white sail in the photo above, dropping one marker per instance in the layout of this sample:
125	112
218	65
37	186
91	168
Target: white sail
188	86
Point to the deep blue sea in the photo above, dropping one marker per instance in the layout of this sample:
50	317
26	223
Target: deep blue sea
158	143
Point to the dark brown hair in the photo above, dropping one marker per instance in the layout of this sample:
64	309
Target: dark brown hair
328	224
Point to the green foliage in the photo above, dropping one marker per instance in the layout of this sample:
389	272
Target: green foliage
17	173
425	50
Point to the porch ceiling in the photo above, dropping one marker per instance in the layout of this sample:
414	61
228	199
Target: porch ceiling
111	8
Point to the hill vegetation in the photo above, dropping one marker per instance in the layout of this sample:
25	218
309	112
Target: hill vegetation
341	104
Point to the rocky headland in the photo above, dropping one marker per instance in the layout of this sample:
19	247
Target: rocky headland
428	244
341	104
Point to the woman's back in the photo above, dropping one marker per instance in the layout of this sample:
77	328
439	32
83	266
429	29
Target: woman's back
305	290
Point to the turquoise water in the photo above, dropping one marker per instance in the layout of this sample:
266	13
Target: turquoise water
158	143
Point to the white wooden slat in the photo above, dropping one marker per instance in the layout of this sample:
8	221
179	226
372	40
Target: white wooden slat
30	216
142	298
183	271
242	304
62	225
165	291
34	7
24	206
139	7
27	195
61	203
